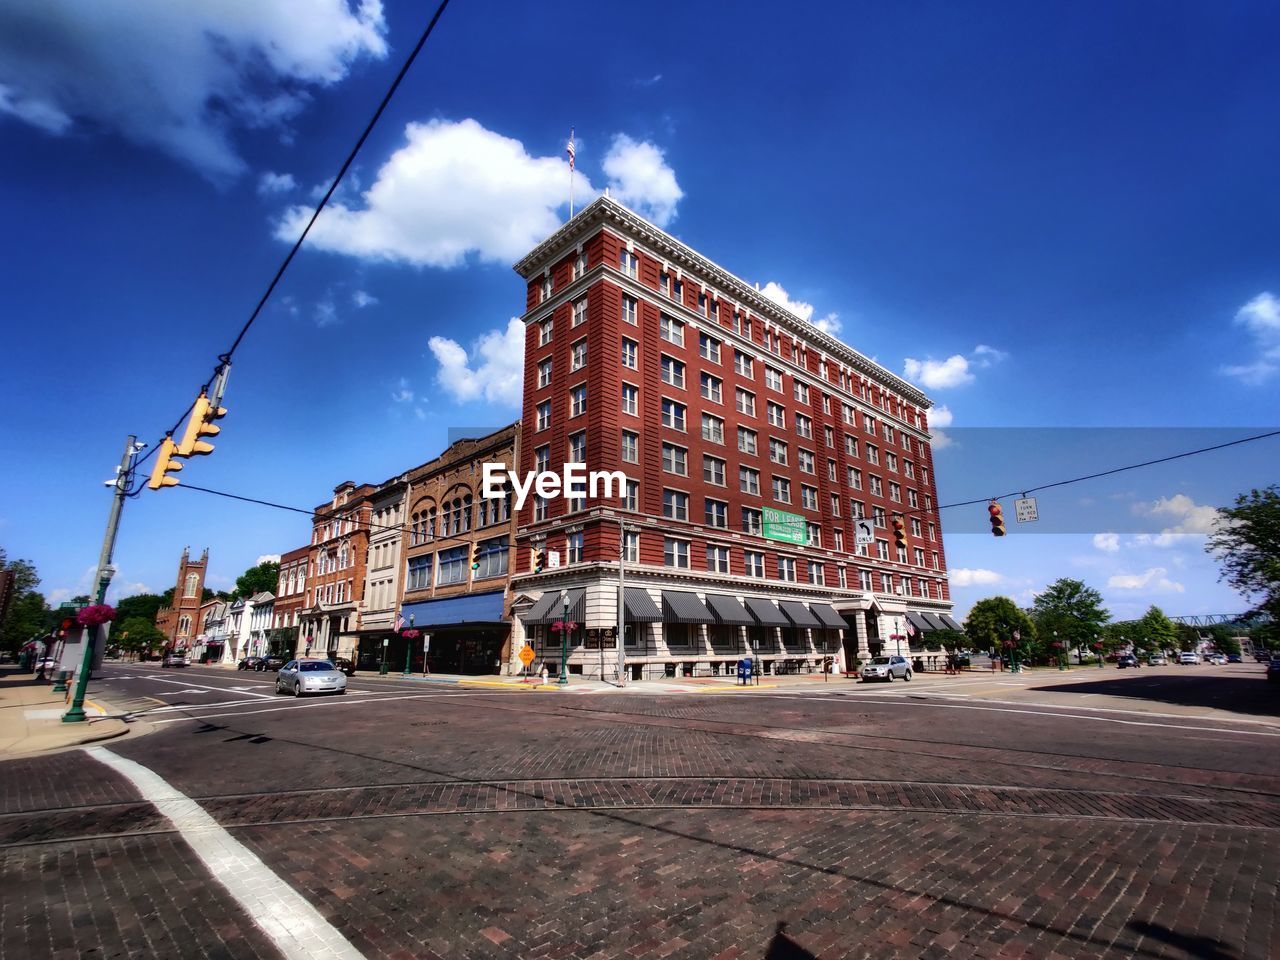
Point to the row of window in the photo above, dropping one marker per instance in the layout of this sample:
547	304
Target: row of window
451	566
457	516
672	330
719	559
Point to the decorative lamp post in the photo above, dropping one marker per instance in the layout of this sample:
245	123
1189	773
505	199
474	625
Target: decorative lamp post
1097	645
90	618
1057	646
409	635
565	626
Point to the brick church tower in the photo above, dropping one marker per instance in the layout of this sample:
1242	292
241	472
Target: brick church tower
180	621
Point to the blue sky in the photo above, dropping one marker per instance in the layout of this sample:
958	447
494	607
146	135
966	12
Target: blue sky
1047	216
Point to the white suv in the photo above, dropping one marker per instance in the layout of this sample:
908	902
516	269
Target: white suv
1186	656
886	668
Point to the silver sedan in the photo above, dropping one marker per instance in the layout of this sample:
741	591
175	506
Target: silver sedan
310	676
886	668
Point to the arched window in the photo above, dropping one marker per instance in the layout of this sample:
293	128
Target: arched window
344	558
192	585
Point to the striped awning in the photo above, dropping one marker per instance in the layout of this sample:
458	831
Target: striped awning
934	621
951	624
918	621
680	606
548	608
729	610
828	614
799	614
766	614
640	607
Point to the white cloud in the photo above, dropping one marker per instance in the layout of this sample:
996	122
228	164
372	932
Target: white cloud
456	190
178	77
939	374
963	577
1261	318
362	299
1154	579
402	393
494	369
270	183
267	558
955	371
326	313
777	293
940	417
640	177
1190	517
1107	542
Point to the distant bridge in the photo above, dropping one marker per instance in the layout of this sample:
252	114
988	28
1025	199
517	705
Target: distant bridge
1214	619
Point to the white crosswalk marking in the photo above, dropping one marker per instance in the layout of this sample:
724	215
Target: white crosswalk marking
292	923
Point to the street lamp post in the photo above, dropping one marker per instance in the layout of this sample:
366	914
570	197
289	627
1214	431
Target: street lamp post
564	640
408	647
1057	647
1097	645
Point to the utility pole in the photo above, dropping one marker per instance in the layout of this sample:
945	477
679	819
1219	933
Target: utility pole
103	579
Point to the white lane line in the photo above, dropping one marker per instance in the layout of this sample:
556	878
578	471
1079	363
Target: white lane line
1127	713
293	924
301	706
937	702
197	686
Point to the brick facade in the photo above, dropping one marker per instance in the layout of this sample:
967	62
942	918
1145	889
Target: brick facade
181	622
291	590
670	341
330	618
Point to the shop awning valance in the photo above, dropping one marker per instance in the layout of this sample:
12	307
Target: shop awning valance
766	614
639	606
729	610
680	606
829	616
798	614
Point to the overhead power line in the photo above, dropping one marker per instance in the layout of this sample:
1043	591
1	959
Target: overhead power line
946	506
225	358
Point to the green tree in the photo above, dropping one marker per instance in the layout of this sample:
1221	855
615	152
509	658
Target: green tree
1246	544
993	621
27	615
135	634
144	605
1158	632
1072	609
264	578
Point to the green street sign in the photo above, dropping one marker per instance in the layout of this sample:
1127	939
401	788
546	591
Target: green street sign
788	527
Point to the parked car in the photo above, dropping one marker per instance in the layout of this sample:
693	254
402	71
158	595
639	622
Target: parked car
1273	670
1186	656
1217	658
273	662
1157	660
1126	660
887	668
310	676
174	659
1234	658
346	666
249	663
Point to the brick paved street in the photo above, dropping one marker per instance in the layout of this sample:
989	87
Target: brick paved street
871	823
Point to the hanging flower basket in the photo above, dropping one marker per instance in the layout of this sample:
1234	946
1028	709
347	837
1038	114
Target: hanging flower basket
411	634
95	615
564	626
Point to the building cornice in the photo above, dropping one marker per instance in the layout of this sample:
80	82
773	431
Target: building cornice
607	210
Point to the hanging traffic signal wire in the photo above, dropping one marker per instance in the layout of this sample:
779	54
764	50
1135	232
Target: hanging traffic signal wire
989	501
224	359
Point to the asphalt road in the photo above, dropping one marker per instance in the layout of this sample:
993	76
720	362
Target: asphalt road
1123	814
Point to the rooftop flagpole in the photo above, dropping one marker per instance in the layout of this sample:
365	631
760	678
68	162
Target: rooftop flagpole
570	150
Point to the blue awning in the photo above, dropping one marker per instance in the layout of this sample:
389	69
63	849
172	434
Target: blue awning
470	608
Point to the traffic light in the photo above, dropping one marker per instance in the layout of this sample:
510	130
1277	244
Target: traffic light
997	518
539	559
201	425
165	464
475	556
899	533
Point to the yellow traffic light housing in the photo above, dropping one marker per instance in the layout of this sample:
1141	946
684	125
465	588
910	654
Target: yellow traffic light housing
475	556
165	464
997	519
899	533
201	425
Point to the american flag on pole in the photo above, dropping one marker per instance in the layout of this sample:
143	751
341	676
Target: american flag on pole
399	622
570	150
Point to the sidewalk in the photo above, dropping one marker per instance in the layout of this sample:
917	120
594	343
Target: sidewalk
31	717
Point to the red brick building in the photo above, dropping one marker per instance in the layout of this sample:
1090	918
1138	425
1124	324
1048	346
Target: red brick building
181	621
450	522
330	618
643	356
286	615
